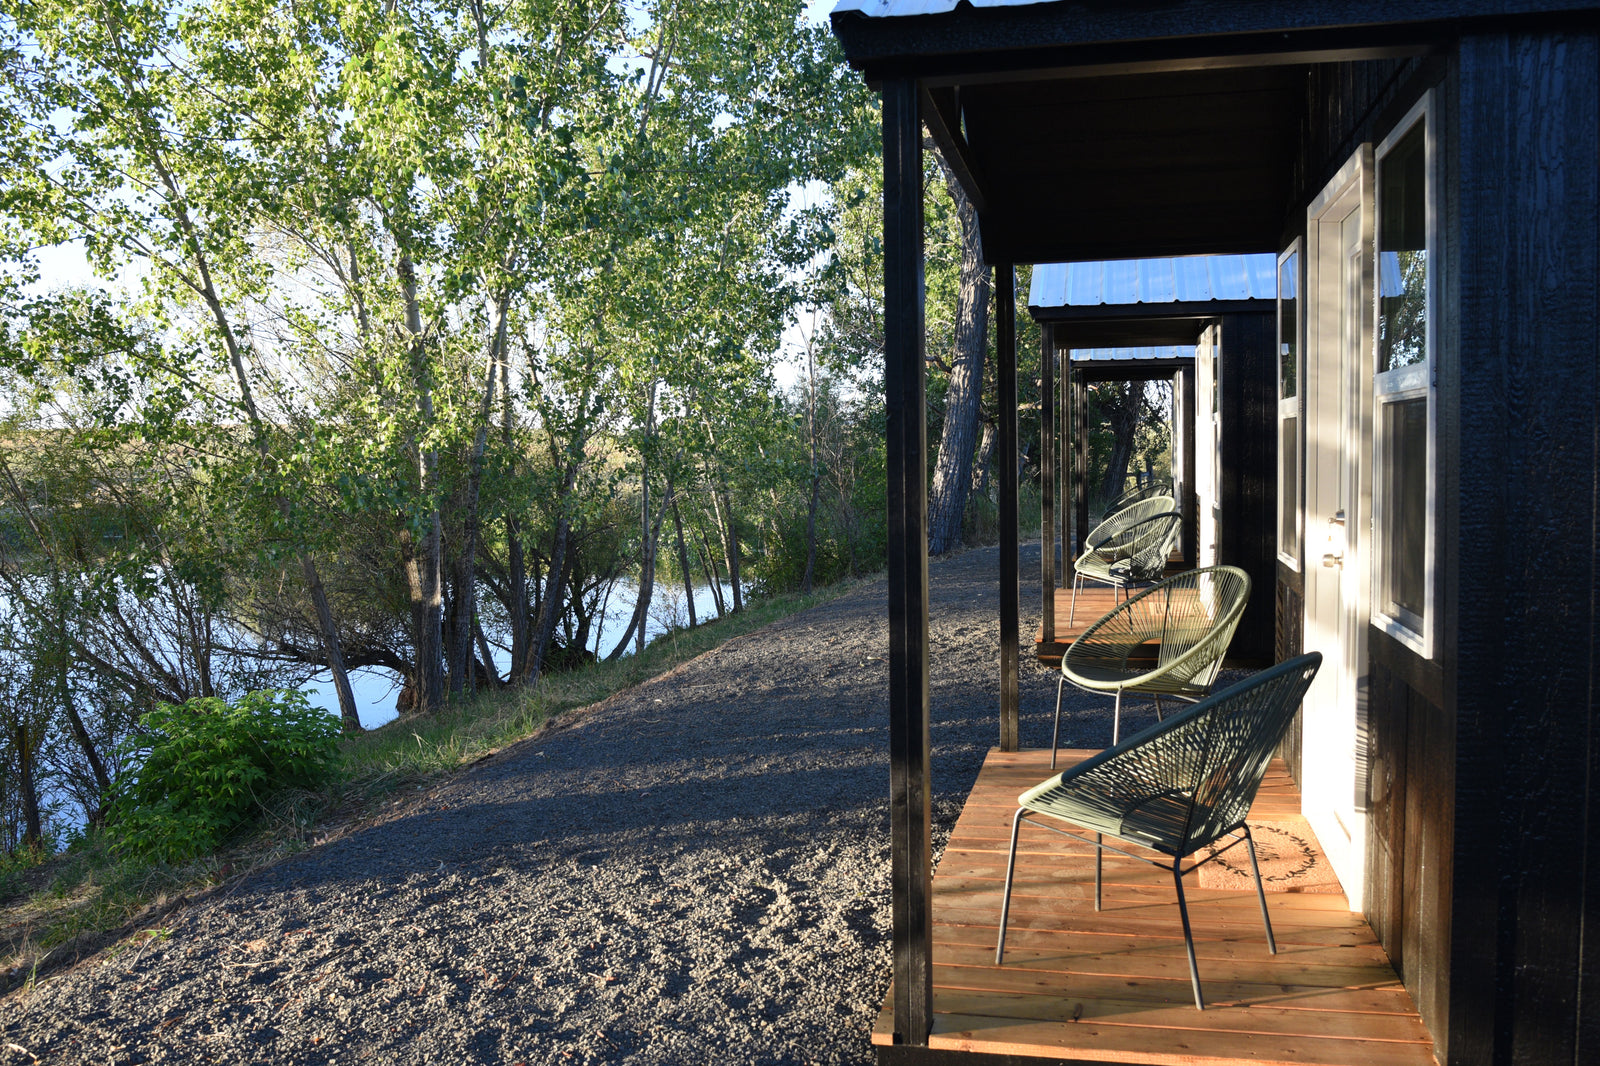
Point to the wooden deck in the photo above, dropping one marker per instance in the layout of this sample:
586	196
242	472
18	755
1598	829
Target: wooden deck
1093	601
1113	986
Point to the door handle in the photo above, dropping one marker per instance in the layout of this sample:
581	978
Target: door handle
1334	557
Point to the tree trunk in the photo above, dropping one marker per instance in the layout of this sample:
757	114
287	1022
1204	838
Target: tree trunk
683	556
26	742
647	582
424	570
550	607
467	557
980	476
708	563
491	671
952	472
1121	403
427	613
816	469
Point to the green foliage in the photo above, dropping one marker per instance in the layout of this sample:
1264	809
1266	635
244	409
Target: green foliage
208	766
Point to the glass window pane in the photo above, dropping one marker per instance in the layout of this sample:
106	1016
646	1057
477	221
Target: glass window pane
1403	253
1289	487
1288	326
1405	434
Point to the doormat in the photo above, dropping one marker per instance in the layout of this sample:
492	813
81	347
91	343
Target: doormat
1291	861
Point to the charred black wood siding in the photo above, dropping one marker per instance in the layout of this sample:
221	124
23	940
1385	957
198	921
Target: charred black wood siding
1527	271
1291	616
1248	537
1411	783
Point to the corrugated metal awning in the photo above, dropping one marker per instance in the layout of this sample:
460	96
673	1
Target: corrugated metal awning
1129	355
894	8
1189	279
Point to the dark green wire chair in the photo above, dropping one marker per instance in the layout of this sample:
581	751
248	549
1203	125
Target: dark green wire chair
1116	540
1192	615
1175	788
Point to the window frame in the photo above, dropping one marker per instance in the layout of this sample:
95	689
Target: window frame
1291	550
1407	383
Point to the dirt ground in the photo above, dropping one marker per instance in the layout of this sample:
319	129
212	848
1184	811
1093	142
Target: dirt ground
694	872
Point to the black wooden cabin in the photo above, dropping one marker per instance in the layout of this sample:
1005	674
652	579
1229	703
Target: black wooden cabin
1429	174
1207	324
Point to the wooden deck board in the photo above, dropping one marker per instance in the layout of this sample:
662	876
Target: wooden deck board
1113	985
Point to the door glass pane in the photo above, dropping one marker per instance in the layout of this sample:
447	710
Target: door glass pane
1405	434
1403	253
1289	487
1288	326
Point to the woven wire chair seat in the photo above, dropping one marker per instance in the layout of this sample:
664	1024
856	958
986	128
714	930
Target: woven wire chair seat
1189	619
1179	786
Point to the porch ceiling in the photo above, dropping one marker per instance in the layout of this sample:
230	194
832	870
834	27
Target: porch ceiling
1179	163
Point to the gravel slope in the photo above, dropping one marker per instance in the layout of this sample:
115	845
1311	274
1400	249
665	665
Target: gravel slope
694	872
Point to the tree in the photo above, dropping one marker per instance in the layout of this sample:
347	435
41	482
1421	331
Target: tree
952	471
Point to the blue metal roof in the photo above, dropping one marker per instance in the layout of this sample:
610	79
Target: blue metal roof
892	8
1190	279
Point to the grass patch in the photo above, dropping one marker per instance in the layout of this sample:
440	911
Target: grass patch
57	908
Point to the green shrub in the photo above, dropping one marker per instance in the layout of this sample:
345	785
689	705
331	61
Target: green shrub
202	770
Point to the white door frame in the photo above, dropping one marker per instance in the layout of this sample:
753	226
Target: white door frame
1338	472
1208	456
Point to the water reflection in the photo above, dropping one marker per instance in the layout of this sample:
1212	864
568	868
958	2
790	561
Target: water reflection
376	689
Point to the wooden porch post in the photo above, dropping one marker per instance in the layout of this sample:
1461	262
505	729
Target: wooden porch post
1080	456
1005	339
1047	487
1065	441
910	818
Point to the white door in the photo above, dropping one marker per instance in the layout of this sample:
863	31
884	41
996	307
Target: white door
1338	515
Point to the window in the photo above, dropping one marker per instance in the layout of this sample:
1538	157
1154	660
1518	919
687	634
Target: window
1403	383
1290	456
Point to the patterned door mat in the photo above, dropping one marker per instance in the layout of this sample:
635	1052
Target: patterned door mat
1291	861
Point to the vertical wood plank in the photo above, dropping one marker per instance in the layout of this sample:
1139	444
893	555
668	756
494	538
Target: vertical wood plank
911	845
1047	486
1249	484
1528	270
1005	339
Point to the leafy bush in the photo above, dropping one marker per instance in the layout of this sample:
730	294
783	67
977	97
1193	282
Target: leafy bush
202	770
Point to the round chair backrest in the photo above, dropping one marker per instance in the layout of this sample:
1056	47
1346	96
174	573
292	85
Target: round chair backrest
1109	537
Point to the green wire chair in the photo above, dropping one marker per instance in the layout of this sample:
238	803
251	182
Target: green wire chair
1175	788
1192	615
1154	487
1117	539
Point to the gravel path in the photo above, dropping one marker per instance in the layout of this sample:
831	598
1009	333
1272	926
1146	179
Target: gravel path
694	872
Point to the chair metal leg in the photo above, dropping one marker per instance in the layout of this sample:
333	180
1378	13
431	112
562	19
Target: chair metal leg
1077	579
1116	721
1005	897
1188	935
1261	893
1099	857
1159	716
1055	733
